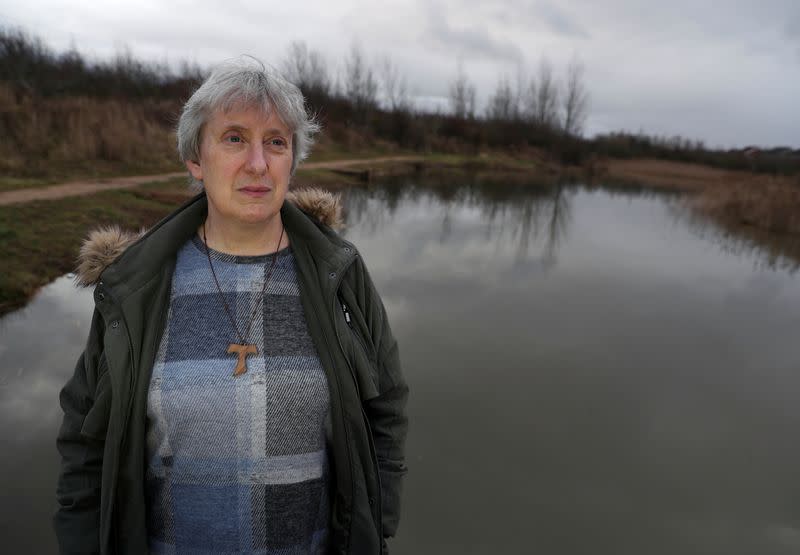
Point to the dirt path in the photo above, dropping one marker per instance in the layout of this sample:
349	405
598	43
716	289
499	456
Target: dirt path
78	188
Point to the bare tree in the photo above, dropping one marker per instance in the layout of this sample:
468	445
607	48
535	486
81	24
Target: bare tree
295	65
394	86
576	99
502	104
360	86
528	101
307	69
318	70
462	95
544	96
519	92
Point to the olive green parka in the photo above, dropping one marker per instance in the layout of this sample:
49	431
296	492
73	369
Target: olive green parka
102	438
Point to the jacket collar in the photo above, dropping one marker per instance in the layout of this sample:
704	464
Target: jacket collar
126	261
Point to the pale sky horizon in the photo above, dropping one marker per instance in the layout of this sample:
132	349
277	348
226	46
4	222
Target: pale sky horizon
726	72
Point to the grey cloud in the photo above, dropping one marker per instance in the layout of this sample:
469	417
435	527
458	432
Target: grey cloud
557	20
543	15
736	22
793	27
473	41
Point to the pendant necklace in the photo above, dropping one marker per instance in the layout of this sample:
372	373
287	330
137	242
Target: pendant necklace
242	349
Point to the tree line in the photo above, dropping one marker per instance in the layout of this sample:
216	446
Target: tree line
540	100
363	101
34	68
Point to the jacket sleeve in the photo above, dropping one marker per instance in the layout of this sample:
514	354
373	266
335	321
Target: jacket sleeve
84	400
387	411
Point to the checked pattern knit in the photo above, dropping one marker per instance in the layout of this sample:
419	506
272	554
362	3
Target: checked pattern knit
236	464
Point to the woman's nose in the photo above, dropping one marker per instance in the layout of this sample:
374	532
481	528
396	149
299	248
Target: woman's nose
257	161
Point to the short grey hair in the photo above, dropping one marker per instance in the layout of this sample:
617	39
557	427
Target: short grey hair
249	82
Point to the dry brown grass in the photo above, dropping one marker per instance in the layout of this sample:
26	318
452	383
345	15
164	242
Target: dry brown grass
752	210
77	136
772	206
762	216
674	175
733	198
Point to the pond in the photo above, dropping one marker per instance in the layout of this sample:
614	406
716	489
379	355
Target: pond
590	373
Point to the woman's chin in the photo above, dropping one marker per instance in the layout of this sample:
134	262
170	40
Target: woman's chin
248	213
256	214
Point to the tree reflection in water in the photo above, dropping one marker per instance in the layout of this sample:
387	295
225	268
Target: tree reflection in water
535	218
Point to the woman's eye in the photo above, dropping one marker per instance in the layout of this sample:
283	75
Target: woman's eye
233	139
277	144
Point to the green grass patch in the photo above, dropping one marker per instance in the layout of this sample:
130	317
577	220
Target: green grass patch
39	241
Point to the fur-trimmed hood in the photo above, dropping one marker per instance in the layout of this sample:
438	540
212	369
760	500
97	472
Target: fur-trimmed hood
105	244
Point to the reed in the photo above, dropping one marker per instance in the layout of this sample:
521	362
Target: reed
51	136
771	205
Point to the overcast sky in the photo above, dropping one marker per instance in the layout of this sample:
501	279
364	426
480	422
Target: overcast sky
725	71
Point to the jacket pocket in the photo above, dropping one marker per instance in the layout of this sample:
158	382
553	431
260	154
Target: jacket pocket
95	423
362	361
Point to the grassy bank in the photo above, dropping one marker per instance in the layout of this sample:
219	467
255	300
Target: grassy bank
39	241
773	207
765	218
753	210
734	200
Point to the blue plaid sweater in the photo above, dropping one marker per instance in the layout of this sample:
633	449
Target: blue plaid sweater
236	464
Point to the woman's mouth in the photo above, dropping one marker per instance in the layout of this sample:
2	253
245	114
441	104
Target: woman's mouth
255	191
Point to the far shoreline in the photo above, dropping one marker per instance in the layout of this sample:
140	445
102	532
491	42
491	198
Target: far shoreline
40	238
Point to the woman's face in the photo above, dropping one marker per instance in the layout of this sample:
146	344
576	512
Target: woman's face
245	164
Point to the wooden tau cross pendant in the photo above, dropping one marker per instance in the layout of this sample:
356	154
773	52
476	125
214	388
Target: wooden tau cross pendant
242	351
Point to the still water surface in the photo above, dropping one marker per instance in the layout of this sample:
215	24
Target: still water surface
589	375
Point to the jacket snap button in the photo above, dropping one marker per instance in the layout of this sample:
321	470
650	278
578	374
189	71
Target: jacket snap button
371	501
347	249
115	324
101	296
332	275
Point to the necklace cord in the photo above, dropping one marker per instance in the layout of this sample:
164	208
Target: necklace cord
263	289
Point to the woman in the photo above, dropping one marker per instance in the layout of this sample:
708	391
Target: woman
240	390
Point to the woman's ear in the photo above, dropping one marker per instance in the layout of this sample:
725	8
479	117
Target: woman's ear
195	169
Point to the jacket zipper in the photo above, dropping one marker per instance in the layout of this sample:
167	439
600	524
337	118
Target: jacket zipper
373	452
348	318
129	410
114	526
344	425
